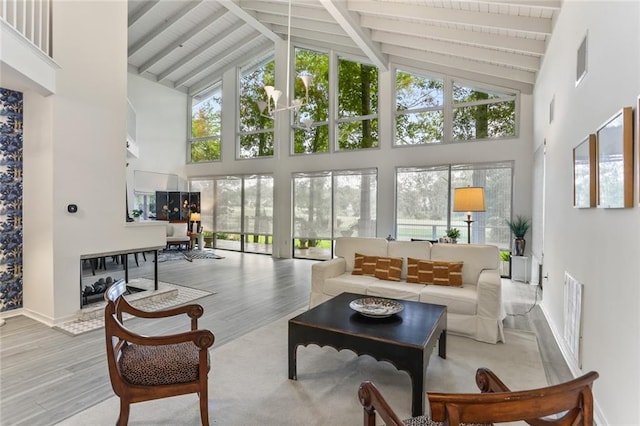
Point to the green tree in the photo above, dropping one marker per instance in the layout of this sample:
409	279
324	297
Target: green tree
315	139
357	97
417	122
256	139
205	131
484	120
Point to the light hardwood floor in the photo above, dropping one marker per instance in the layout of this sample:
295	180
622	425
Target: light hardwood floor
47	376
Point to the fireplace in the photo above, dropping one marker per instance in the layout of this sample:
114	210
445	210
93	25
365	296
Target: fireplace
98	271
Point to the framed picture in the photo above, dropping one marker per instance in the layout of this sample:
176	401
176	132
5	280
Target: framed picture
614	143
584	173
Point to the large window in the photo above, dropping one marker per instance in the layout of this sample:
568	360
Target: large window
205	126
424	202
357	105
472	113
419	109
311	125
481	114
237	212
256	128
331	204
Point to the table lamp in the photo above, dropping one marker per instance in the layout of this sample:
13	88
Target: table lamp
195	217
468	199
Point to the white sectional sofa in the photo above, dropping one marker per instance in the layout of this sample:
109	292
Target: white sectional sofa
474	310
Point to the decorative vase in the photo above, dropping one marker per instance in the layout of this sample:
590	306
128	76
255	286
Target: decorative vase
518	246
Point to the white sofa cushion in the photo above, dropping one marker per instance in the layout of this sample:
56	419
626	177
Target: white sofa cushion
395	290
459	300
347	247
348	283
405	249
475	258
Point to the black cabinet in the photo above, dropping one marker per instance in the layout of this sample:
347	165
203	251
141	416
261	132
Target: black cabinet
176	205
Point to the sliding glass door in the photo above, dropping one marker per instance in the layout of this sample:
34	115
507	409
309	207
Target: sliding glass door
424	205
237	212
331	204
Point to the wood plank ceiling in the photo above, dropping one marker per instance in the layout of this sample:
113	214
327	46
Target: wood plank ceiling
188	45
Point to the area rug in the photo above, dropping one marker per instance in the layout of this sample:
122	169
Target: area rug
189	255
166	296
249	385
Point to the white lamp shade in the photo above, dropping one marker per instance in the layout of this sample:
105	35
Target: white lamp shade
269	90
306	80
468	199
275	96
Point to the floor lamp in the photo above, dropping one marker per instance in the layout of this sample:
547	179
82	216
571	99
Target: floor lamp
468	199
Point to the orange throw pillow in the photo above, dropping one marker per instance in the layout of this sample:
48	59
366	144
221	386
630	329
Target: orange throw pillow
419	271
447	273
388	268
364	265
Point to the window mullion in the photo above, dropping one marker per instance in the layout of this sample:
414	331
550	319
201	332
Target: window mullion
447	133
333	101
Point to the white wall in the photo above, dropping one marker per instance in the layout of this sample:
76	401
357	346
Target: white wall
161	117
74	152
599	247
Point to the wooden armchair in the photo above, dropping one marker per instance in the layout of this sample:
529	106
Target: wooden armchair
142	368
569	403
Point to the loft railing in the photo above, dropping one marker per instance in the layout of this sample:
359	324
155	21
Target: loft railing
31	18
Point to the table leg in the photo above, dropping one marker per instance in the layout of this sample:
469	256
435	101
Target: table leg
293	348
417	392
442	345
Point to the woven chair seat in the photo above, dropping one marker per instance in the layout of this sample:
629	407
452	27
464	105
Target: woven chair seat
426	421
160	365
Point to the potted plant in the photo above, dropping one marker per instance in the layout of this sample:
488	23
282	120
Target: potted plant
519	228
505	256
453	234
136	214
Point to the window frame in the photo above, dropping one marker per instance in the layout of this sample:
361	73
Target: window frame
453	218
449	106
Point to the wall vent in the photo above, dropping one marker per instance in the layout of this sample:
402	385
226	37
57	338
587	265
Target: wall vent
572	335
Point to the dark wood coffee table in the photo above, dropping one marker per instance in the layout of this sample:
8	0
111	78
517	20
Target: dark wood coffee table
406	339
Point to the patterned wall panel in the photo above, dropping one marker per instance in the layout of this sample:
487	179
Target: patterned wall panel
10	199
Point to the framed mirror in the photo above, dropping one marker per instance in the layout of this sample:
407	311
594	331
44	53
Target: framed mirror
584	173
614	143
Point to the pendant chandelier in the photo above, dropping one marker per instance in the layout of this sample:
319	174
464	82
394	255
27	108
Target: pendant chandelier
274	95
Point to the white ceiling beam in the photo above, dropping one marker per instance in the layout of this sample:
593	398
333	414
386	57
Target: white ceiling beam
297	11
335	39
314	44
143	10
438	69
163	27
216	74
183	39
249	18
462	63
544	4
516	44
198	51
454	16
320	26
218	58
481	54
360	36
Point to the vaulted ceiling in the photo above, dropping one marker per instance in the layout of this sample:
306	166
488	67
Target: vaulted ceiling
188	45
